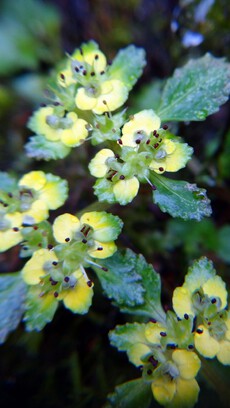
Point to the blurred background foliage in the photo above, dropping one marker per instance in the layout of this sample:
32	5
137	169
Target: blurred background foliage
71	363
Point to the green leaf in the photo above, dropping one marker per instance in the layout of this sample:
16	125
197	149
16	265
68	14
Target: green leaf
180	198
12	297
42	149
196	90
40	310
132	394
128	65
133	284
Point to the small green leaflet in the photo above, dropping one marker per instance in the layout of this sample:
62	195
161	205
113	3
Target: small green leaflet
12	298
196	90
128	65
132	394
133	284
42	149
180	198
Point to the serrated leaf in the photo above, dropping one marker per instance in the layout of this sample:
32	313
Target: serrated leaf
132	394
196	90
128	65
180	198
133	284
12	297
41	148
40	310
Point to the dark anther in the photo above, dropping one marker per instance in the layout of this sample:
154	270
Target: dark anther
161	169
84	72
43	105
105	103
55	294
92	73
163	334
165	127
10	195
171	346
56	103
153	187
199	331
157	135
53	282
138	141
213	301
49	246
149	372
5	205
190	347
154	133
99	248
40	245
153	361
76	69
153	320
209	323
62	76
84	241
67	239
102	72
81	51
148	141
25	248
54	263
15	229
96	57
90	283
104	269
66	279
35	227
186	316
120	141
122	177
156	145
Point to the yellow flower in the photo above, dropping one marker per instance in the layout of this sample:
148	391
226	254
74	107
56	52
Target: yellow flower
96	230
79	297
177	387
40	193
100	164
140	128
171	156
70	130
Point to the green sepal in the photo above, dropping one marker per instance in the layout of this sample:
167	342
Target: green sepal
107	128
12	299
128	65
132	394
40	148
180	198
196	90
179	332
40	310
133	284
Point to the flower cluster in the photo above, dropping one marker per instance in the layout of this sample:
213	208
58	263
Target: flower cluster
168	351
27	203
59	270
142	150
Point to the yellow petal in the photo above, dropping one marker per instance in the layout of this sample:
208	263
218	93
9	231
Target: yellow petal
223	354
34	268
163	389
53	193
178	156
187	362
84	101
146	120
106	249
34	179
98	64
79	298
9	237
74	136
38	123
65	227
205	344
125	190
216	287
137	352
114	99
182	303
186	394
152	332
98	166
37	213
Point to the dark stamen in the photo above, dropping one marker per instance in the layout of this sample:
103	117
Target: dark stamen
165	127
67	239
163	334
186	316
